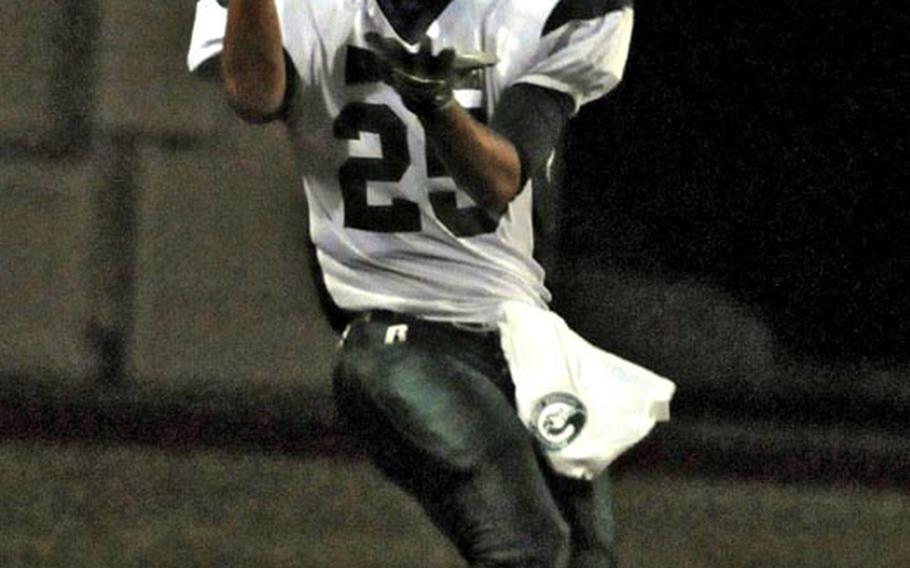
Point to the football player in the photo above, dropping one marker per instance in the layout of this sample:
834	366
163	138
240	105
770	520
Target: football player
418	125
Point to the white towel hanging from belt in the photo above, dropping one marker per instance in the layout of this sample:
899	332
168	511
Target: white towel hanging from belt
586	406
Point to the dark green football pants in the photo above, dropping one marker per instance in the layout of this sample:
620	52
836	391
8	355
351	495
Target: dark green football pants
432	405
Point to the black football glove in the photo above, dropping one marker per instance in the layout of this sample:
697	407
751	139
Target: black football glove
423	80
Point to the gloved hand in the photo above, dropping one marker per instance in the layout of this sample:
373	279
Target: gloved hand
423	80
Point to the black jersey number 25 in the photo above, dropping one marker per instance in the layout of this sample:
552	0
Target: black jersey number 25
402	215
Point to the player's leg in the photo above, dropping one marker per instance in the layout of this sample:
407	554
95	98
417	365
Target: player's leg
423	402
587	506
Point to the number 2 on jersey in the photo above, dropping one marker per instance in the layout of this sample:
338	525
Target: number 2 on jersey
402	215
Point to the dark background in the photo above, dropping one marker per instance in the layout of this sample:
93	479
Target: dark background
761	146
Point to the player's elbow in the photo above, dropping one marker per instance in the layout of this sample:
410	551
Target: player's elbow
253	103
494	193
505	187
498	178
255	87
505	181
251	110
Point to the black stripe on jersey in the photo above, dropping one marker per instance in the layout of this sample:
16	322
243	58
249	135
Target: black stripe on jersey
361	67
569	10
411	18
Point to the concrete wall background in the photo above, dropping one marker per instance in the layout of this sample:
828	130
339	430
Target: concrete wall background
170	226
46	223
28	66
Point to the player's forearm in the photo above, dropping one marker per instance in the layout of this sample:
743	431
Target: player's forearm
253	60
482	163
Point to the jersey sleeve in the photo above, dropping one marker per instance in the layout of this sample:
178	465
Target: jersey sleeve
207	38
208	32
582	55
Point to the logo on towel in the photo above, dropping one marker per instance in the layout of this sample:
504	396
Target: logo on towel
558	419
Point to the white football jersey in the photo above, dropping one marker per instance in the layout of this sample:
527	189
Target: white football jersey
391	229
